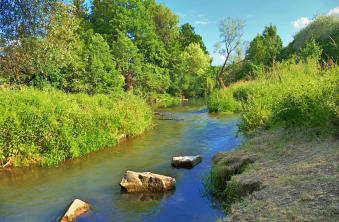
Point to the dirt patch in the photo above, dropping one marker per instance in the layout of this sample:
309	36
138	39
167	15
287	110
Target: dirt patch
299	178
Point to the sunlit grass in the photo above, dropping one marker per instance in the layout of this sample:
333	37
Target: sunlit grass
50	126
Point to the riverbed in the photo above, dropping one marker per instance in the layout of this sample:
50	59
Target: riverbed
42	194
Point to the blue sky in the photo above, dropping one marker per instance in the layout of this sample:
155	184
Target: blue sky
288	15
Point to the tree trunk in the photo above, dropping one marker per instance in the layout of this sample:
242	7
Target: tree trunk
221	71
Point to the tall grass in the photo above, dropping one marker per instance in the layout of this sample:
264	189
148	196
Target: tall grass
51	126
223	101
288	94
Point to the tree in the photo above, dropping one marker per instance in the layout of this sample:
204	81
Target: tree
325	30
194	67
312	50
24	18
80	8
195	61
187	36
231	31
256	53
100	74
273	43
128	60
264	49
165	21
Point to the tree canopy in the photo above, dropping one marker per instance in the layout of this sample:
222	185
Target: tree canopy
116	45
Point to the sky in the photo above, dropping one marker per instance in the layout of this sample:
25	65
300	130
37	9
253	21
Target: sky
289	16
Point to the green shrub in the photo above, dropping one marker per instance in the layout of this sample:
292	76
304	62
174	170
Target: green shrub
222	101
309	103
291	94
51	126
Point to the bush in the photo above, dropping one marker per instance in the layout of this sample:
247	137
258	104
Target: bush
290	94
51	126
222	101
311	103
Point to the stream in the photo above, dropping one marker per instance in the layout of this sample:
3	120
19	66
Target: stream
42	194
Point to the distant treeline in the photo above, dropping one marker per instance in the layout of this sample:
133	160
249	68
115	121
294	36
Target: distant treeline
102	47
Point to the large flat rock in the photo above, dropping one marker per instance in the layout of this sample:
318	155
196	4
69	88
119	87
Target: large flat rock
77	208
186	161
146	182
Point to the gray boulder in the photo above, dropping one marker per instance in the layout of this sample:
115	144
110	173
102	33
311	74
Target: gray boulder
77	208
186	161
146	182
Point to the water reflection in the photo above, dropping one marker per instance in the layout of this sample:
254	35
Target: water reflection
136	197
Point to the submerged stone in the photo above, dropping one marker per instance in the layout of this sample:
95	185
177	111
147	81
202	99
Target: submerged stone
146	182
186	161
77	208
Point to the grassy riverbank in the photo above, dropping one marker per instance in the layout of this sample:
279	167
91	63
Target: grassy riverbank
49	126
289	94
298	176
290	161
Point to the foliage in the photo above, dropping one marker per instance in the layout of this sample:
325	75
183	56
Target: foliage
265	48
24	18
325	32
290	94
312	50
222	101
50	126
124	44
231	32
188	36
195	61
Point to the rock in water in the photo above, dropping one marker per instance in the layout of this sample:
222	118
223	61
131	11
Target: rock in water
186	161
77	208
146	182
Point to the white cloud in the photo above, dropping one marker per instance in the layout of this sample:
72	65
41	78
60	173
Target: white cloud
218	59
302	22
334	11
202	22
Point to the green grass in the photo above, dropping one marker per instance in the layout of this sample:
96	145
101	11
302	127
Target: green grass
289	94
50	126
223	101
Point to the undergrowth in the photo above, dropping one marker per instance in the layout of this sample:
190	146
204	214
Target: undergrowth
289	94
50	126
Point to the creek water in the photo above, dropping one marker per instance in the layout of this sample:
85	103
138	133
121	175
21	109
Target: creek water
42	194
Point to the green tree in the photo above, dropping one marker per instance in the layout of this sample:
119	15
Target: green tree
312	50
187	36
128	60
195	60
100	75
166	23
80	8
325	30
256	52
195	63
265	48
24	18
273	43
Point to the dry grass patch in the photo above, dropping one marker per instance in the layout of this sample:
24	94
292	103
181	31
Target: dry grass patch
299	176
